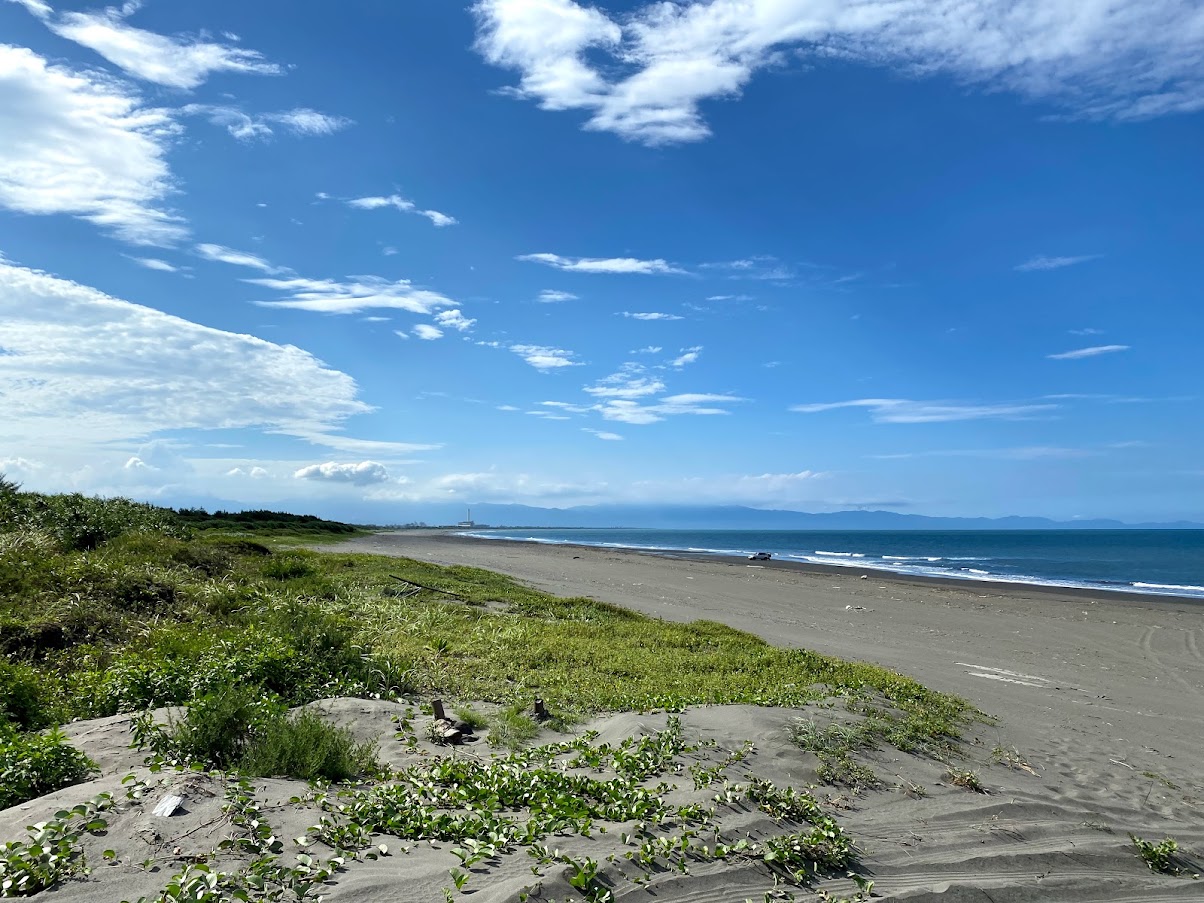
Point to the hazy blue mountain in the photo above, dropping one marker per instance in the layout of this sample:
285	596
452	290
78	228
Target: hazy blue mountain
732	517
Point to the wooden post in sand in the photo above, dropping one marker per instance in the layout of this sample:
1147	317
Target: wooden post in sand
437	710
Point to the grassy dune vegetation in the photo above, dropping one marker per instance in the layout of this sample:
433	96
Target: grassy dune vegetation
110	606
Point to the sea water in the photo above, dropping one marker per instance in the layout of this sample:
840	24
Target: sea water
1159	562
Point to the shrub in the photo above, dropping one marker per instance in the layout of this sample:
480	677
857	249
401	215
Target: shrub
216	730
237	729
304	746
81	523
25	699
32	765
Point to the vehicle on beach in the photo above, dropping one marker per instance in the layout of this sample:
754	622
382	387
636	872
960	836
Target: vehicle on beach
760	556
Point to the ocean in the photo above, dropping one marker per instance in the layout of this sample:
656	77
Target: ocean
1157	562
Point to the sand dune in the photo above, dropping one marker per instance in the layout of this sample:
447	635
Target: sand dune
1096	712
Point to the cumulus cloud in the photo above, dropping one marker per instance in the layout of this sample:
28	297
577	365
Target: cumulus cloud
551	296
248	127
428	332
650	315
362	474
1053	263
83	145
601	264
602	434
644	74
81	369
902	410
177	62
544	358
1093	351
397	202
453	319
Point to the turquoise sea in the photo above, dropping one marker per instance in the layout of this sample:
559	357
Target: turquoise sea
1160	562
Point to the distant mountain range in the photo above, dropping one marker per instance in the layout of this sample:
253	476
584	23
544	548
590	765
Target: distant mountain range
733	517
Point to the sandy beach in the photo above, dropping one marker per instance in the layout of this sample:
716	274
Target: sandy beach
1097	691
1094	703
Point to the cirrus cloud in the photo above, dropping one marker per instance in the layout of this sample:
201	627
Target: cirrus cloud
86	146
1093	351
602	264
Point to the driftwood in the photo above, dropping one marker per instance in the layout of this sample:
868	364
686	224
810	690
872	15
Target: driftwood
415	587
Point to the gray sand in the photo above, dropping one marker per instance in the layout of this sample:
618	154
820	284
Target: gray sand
1100	696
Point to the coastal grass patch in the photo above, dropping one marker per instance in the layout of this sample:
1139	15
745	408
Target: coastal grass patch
484	636
237	730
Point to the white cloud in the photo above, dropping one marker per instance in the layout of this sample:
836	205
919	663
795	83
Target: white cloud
304	121
901	410
643	74
176	62
602	434
647	349
352	296
551	296
1086	331
601	264
541	357
651	315
154	263
428	332
83	145
627	383
361	474
222	254
1053	263
688	356
1025	453
82	369
760	267
453	319
255	473
397	202
1087	352
625	410
730	298
39	8
248	127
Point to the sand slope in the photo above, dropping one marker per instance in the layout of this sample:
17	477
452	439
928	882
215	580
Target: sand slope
1097	701
1053	831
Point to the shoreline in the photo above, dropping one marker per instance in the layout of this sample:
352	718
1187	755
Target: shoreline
1004	587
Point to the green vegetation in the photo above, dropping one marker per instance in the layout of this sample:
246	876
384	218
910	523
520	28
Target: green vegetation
967	780
237	729
34	764
1160	856
109	606
266	523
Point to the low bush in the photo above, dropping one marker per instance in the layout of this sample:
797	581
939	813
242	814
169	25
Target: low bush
25	697
32	765
240	730
304	746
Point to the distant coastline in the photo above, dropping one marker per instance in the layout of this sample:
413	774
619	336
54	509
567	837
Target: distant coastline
1129	564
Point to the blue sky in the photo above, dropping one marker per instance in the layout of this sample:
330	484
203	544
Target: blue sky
365	258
